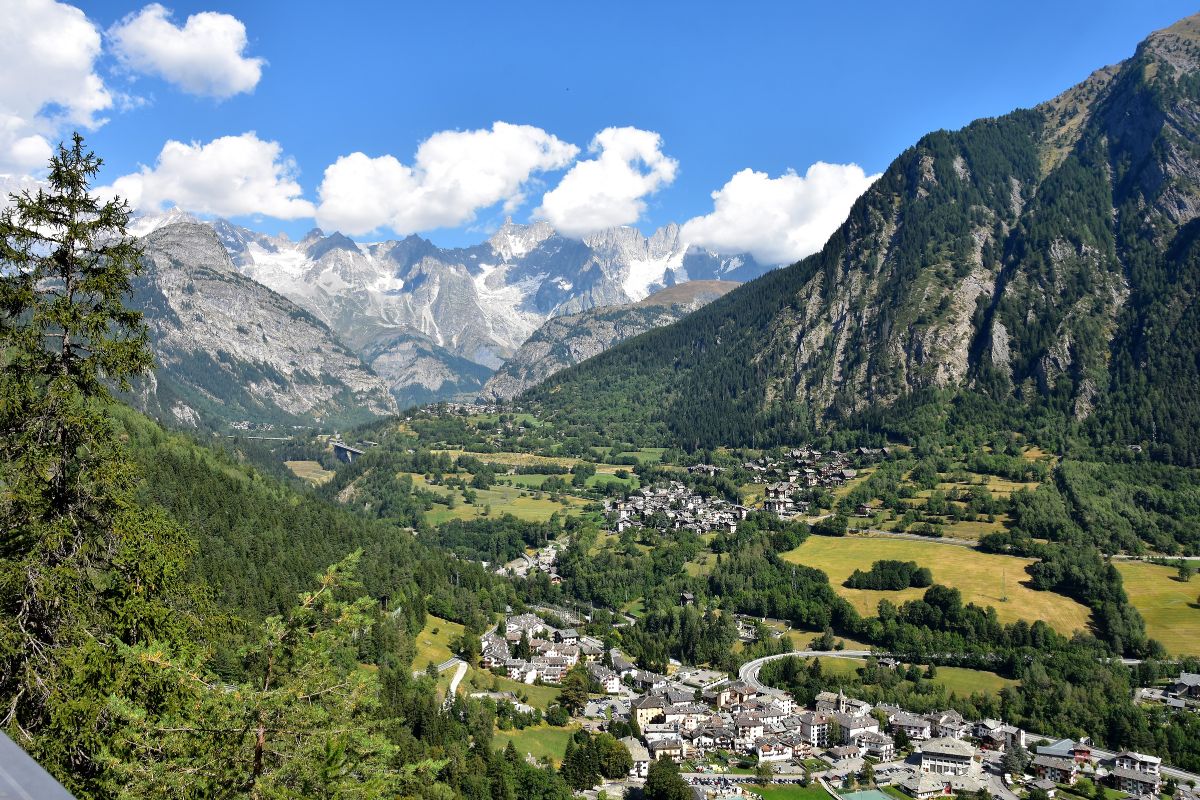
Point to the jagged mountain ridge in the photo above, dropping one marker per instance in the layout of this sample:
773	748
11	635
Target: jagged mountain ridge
231	350
418	313
568	340
1046	259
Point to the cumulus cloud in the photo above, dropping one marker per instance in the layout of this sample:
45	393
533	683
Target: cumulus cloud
230	176
47	80
609	189
453	176
778	220
203	56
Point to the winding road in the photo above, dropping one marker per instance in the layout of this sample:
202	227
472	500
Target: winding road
748	672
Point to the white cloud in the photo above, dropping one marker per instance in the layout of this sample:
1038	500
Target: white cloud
779	220
609	189
454	175
203	56
47	80
230	176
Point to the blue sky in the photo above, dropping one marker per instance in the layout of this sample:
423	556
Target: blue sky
726	87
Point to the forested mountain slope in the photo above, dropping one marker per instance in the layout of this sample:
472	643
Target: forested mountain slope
1044	261
259	542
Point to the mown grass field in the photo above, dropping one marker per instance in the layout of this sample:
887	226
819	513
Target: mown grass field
983	578
967	681
477	680
309	471
433	642
703	565
541	741
956	679
646	455
788	792
1170	607
502	499
531	459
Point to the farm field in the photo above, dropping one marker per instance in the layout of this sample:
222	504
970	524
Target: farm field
966	681
786	792
1169	606
530	459
541	741
841	666
310	471
703	565
646	455
983	578
433	642
502	499
956	679
477	680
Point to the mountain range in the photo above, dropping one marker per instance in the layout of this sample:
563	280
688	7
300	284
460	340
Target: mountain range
429	322
567	340
231	351
1038	270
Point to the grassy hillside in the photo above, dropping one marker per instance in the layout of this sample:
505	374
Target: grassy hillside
1170	606
983	578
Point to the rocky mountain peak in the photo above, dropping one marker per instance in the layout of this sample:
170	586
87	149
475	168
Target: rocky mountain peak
321	245
513	241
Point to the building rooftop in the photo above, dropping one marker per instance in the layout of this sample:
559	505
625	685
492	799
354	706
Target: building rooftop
948	747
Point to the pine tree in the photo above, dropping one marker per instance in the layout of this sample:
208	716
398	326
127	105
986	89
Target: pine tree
85	574
305	721
573	694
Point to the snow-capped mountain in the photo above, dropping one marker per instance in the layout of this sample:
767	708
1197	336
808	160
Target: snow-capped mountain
230	351
477	304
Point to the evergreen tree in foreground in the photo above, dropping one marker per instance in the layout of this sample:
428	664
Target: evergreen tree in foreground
84	572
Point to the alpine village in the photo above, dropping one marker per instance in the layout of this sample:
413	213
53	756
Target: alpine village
565	509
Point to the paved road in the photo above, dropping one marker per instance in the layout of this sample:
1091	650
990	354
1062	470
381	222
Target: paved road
442	667
749	671
457	679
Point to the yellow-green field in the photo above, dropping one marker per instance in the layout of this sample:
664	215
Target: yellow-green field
541	741
478	680
309	471
647	455
1169	606
703	565
967	681
502	499
786	792
983	578
434	648
959	680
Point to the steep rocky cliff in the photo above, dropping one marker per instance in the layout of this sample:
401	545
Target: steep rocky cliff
231	350
434	322
565	341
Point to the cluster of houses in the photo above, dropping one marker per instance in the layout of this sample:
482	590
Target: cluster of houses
842	732
544	560
551	652
1065	761
674	506
697	712
1182	694
802	469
